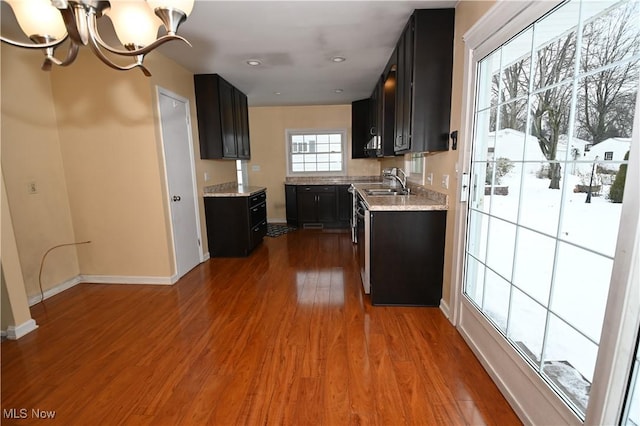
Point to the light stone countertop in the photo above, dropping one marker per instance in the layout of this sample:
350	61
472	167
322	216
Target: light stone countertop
231	189
419	199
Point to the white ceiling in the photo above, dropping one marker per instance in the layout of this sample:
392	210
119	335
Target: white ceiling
295	41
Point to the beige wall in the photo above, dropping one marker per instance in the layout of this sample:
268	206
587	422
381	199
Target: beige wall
31	153
467	13
267	127
89	136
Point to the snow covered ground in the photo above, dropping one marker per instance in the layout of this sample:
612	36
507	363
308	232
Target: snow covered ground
528	254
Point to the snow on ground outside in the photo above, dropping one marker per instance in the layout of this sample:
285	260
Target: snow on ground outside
582	277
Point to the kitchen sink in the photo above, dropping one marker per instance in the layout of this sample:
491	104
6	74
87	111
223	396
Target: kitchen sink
385	191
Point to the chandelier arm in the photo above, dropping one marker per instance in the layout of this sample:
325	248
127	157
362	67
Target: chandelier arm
95	38
95	47
72	53
50	44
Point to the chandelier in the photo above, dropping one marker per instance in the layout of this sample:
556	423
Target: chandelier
49	23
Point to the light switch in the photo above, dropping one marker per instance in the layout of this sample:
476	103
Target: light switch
207	177
445	181
255	168
430	178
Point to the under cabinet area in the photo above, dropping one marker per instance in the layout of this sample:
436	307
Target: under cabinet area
318	206
223	118
235	224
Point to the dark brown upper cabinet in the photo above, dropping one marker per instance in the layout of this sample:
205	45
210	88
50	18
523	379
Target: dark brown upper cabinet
423	82
360	127
223	118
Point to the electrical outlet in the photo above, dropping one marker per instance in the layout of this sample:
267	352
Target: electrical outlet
430	178
32	188
255	168
207	177
445	181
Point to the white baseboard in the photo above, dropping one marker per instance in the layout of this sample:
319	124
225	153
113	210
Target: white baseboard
14	332
124	279
207	256
3	334
55	290
444	307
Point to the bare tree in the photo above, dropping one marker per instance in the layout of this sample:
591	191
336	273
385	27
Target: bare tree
549	108
606	99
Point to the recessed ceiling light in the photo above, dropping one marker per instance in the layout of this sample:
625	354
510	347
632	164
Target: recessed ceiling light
338	90
254	62
277	93
338	59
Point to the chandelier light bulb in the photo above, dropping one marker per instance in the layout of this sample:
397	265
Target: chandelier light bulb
135	24
38	18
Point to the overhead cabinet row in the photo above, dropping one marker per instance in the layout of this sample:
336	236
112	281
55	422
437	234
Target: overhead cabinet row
223	118
409	109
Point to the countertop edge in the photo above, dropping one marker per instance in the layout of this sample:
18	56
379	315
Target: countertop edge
226	190
412	202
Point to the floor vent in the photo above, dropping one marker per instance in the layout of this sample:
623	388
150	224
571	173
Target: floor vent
313	226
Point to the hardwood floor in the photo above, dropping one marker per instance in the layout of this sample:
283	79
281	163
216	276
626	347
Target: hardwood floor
285	336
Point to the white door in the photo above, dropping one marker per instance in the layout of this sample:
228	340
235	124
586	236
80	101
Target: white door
179	166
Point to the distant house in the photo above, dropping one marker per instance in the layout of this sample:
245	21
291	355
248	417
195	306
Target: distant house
610	151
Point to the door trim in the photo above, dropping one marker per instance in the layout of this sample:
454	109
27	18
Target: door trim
194	183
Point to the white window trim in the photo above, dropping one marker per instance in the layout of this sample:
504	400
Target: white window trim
529	395
291	173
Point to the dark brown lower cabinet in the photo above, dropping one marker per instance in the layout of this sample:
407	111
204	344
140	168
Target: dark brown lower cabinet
235	225
407	257
327	206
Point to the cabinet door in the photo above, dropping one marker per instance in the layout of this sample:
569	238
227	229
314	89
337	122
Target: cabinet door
345	204
307	205
327	209
228	119
359	128
400	93
291	201
404	101
242	125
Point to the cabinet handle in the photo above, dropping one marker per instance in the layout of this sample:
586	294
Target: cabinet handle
372	131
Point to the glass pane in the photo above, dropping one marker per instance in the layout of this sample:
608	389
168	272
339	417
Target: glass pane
488	70
322	147
323	139
569	362
297	167
323	167
335	167
540	205
296	139
335	158
297	158
516	67
477	238
593	225
323	158
474	282
336	147
484	137
534	264
505	191
605	108
611	36
555	46
496	300
310	167
502	237
580	289
479	191
527	320
310	158
335	138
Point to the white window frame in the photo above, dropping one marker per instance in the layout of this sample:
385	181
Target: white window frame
290	132
529	395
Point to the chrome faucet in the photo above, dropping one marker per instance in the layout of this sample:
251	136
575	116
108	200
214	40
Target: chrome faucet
393	173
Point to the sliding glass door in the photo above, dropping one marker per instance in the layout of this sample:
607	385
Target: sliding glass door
553	120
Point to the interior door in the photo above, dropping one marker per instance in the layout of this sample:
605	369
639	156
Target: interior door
178	155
